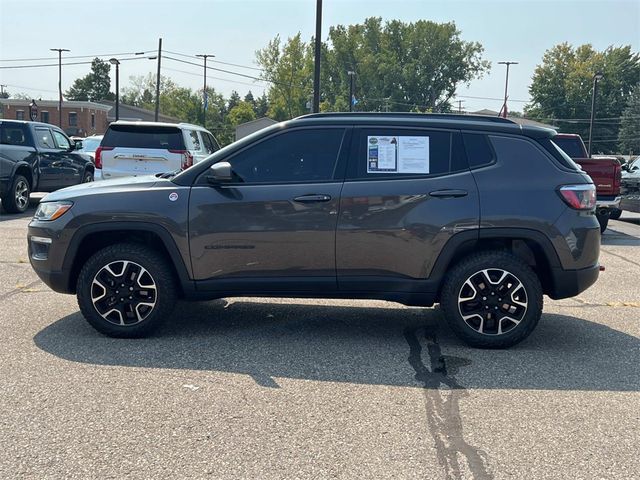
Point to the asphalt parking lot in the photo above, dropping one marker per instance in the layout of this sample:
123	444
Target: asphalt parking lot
279	388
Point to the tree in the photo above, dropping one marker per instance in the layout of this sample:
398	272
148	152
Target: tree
241	113
562	86
289	69
94	86
408	66
629	134
5	94
234	99
262	106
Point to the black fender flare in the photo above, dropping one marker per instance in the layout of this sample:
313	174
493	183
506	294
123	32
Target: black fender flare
162	233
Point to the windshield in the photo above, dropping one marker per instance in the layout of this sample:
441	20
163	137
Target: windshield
571	146
90	144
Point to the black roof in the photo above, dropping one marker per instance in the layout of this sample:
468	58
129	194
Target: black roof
434	120
27	122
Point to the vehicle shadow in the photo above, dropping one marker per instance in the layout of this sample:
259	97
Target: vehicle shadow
615	237
33	204
358	345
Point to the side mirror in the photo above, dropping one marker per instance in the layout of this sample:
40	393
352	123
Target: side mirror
72	146
220	172
634	168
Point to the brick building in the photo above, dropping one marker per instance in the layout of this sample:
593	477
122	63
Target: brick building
78	118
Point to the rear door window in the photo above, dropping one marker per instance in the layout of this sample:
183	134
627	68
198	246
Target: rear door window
44	138
13	134
294	156
383	153
144	136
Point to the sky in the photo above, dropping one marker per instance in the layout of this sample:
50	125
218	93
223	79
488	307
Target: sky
232	30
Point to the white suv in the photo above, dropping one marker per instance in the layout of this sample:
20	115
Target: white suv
146	148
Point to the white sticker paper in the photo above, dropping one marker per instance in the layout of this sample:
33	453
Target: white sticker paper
382	154
413	155
391	154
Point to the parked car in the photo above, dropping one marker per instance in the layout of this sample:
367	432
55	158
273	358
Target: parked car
142	148
89	146
631	186
606	173
37	157
479	214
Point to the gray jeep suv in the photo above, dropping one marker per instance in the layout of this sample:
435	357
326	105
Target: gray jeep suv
478	214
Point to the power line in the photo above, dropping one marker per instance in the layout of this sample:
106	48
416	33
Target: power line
217	61
76	56
215	78
220	70
64	64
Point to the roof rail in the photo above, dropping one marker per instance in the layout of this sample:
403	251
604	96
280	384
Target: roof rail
433	116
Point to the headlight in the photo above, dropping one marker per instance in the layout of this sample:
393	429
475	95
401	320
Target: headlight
51	210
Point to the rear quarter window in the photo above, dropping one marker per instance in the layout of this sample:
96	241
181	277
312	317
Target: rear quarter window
134	136
479	150
512	149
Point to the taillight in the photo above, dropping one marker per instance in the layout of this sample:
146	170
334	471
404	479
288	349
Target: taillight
579	197
187	158
98	155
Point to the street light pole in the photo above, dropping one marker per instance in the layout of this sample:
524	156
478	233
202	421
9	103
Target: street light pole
158	81
316	70
204	89
506	87
596	77
114	61
351	75
59	50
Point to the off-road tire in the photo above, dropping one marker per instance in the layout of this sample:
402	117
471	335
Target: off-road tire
470	266
161	275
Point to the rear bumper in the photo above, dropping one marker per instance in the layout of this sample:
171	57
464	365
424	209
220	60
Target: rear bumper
569	283
608	201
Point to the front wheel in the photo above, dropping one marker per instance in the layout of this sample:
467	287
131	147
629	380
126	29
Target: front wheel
492	300
603	220
126	290
615	213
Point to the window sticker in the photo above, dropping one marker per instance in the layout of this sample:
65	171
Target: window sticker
391	154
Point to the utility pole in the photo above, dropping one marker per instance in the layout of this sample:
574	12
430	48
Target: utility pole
158	81
460	105
316	70
116	62
204	89
351	74
59	50
2	90
596	77
506	86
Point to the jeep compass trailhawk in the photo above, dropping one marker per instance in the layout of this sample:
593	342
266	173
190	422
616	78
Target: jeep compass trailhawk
478	214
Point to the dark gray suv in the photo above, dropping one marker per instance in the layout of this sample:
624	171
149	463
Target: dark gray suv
478	214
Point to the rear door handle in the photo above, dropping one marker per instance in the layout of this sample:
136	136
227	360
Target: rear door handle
448	193
312	198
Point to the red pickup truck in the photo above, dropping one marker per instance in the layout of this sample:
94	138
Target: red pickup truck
606	173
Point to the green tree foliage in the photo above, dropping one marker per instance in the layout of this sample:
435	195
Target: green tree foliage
562	86
629	134
234	99
262	106
289	69
94	86
241	113
404	66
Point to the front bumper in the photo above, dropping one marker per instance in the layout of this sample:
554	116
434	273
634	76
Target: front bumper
569	283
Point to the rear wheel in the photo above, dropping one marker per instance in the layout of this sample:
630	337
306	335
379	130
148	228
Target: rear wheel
16	200
615	213
126	290
87	177
492	300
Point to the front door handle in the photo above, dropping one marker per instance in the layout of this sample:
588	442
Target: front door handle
312	198
448	193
